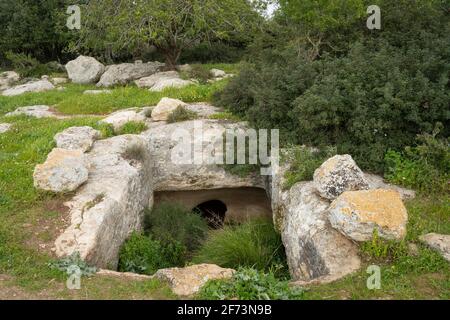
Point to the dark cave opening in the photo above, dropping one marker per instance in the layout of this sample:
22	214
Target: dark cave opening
213	212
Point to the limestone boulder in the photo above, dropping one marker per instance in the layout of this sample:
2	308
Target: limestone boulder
120	118
165	107
188	281
7	79
110	205
162	80
33	86
357	214
217	73
84	70
315	251
5	127
124	73
33	111
77	138
337	175
438	242
63	171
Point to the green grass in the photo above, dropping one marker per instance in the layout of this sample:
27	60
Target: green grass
72	101
132	127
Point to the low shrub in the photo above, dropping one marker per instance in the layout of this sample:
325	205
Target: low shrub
379	249
170	222
198	72
65	265
181	114
250	284
132	127
27	66
252	244
141	254
425	167
303	162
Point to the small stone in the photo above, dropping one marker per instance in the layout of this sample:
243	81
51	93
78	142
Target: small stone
5	127
438	242
357	214
188	281
8	78
217	73
165	107
75	138
58	81
337	175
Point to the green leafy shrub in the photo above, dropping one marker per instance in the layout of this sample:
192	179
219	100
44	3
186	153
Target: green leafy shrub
74	259
198	72
141	254
383	250
132	127
181	114
250	284
252	244
170	222
425	167
28	66
304	161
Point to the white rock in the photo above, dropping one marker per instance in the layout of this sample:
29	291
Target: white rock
162	80
314	250
77	138
63	171
7	79
58	81
188	281
95	92
124	73
120	118
34	86
165	107
337	175
377	182
85	70
217	73
357	214
438	242
203	110
184	68
5	127
33	111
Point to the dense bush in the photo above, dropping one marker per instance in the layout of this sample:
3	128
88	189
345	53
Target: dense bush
250	284
376	92
252	244
425	167
170	222
214	52
142	254
181	114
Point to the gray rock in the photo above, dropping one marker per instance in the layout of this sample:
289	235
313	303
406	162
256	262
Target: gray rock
163	80
124	73
357	214
337	175
377	182
63	171
33	111
84	70
314	250
5	127
58	81
165	107
34	86
438	242
203	110
120	118
7	79
217	73
77	138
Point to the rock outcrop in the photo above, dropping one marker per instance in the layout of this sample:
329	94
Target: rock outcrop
5	127
357	214
124	73
438	242
165	107
163	80
186	282
120	118
63	171
7	79
337	175
217	73
33	86
33	111
84	70
77	138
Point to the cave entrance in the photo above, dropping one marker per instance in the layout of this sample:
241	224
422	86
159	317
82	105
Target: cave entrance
213	212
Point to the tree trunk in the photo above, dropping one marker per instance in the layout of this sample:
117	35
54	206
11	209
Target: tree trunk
171	55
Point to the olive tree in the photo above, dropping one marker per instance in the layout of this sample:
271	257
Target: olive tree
169	25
